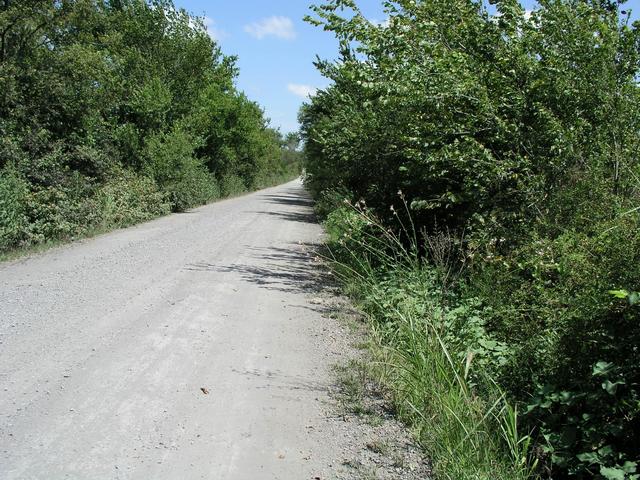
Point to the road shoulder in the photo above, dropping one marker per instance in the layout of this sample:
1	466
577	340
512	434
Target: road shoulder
375	445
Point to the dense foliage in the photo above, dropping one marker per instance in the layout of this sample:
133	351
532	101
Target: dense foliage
515	134
116	111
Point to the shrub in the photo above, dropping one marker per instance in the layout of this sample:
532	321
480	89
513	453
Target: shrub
13	219
127	199
518	134
232	185
196	187
171	163
550	302
431	350
168	156
46	209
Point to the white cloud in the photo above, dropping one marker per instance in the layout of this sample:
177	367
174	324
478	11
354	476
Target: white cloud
280	27
303	91
214	32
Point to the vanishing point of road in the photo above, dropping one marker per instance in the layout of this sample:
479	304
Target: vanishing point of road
187	347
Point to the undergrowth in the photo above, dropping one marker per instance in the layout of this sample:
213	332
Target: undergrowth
432	368
32	222
513	135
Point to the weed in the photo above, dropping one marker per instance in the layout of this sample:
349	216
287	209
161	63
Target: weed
432	381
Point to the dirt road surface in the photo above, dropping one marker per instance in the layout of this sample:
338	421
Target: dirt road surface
187	347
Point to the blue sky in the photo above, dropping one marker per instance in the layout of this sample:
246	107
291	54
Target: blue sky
276	49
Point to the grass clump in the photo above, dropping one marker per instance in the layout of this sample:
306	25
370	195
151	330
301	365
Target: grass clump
425	357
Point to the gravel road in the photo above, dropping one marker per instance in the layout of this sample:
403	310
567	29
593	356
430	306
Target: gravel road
187	347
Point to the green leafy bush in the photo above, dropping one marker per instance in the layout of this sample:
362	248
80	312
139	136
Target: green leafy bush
62	211
195	187
550	302
232	185
48	212
515	134
170	161
127	199
13	218
431	349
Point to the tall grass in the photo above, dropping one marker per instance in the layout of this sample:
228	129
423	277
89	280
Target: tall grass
434	382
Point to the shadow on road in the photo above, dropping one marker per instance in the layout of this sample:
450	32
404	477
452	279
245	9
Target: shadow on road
303	217
293	268
291	199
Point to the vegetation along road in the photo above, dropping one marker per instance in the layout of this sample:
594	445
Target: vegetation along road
475	165
180	348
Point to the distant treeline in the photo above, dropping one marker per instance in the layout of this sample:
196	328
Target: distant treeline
116	111
508	142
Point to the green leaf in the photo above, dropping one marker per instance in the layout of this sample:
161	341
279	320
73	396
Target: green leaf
612	387
619	293
602	368
630	467
589	457
605	451
612	473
